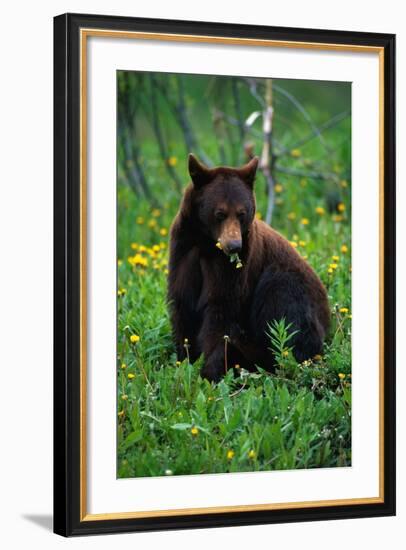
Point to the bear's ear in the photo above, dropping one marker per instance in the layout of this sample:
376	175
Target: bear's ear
199	173
248	171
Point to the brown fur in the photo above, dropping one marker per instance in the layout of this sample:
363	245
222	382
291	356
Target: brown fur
209	298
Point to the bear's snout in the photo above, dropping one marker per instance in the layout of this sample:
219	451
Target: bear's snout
234	247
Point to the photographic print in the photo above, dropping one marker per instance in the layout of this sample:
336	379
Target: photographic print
233	274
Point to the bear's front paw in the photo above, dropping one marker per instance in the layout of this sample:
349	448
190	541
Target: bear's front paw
212	371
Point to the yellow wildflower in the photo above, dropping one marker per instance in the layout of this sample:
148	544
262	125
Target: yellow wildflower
124	397
134	246
344	183
304	221
292	216
156	248
296	153
302	243
320	210
120	413
329	270
156	212
194	431
121	291
258	215
130	375
285	353
163	231
166	271
152	223
278	188
134	338
333	266
172	161
343	310
178	363
252	454
337	218
119	262
341	207
123	366
230	454
238	265
293	243
335	258
344	249
341	375
140	220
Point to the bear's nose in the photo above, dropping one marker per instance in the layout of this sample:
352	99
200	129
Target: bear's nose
234	246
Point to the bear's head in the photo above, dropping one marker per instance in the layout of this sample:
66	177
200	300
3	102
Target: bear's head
224	202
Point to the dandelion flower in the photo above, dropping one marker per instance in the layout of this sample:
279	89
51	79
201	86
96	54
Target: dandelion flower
218	244
123	366
305	221
134	338
296	153
333	266
121	291
335	258
344	183
194	431
320	210
285	353
134	246
130	375
120	413
152	223
156	212
278	188
344	249
172	161
124	397
252	454
341	375
341	207
140	220
163	231
178	363
119	262
329	270
293	243
230	454
292	216
302	243
166	271
343	310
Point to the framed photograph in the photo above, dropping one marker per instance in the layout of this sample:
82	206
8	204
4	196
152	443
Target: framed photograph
224	274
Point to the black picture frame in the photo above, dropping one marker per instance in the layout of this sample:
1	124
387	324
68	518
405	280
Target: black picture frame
67	288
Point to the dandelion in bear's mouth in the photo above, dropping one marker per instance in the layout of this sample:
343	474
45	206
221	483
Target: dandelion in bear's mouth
234	258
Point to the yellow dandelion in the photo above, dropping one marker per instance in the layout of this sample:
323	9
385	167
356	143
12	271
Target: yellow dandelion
166	271
178	363
293	243
219	246
156	248
337	218
163	232
152	223
252	454
341	207
344	249
130	375
341	375
320	210
230	454
123	366
119	263
134	338
140	220
194	431
156	212
124	397
278	188
302	243
120	413
296	153
333	266
238	265
343	310
258	215
329	271
292	216
134	246
303	182
172	161
121	291
285	353
344	183
335	258
305	221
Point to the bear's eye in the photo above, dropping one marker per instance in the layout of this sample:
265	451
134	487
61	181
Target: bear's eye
220	215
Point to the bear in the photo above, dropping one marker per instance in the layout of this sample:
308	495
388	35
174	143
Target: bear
212	299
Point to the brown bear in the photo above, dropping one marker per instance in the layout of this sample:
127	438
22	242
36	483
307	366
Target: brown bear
210	297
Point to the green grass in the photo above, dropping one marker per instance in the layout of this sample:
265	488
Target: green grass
173	422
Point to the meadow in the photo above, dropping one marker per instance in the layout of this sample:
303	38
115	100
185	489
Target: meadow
170	420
